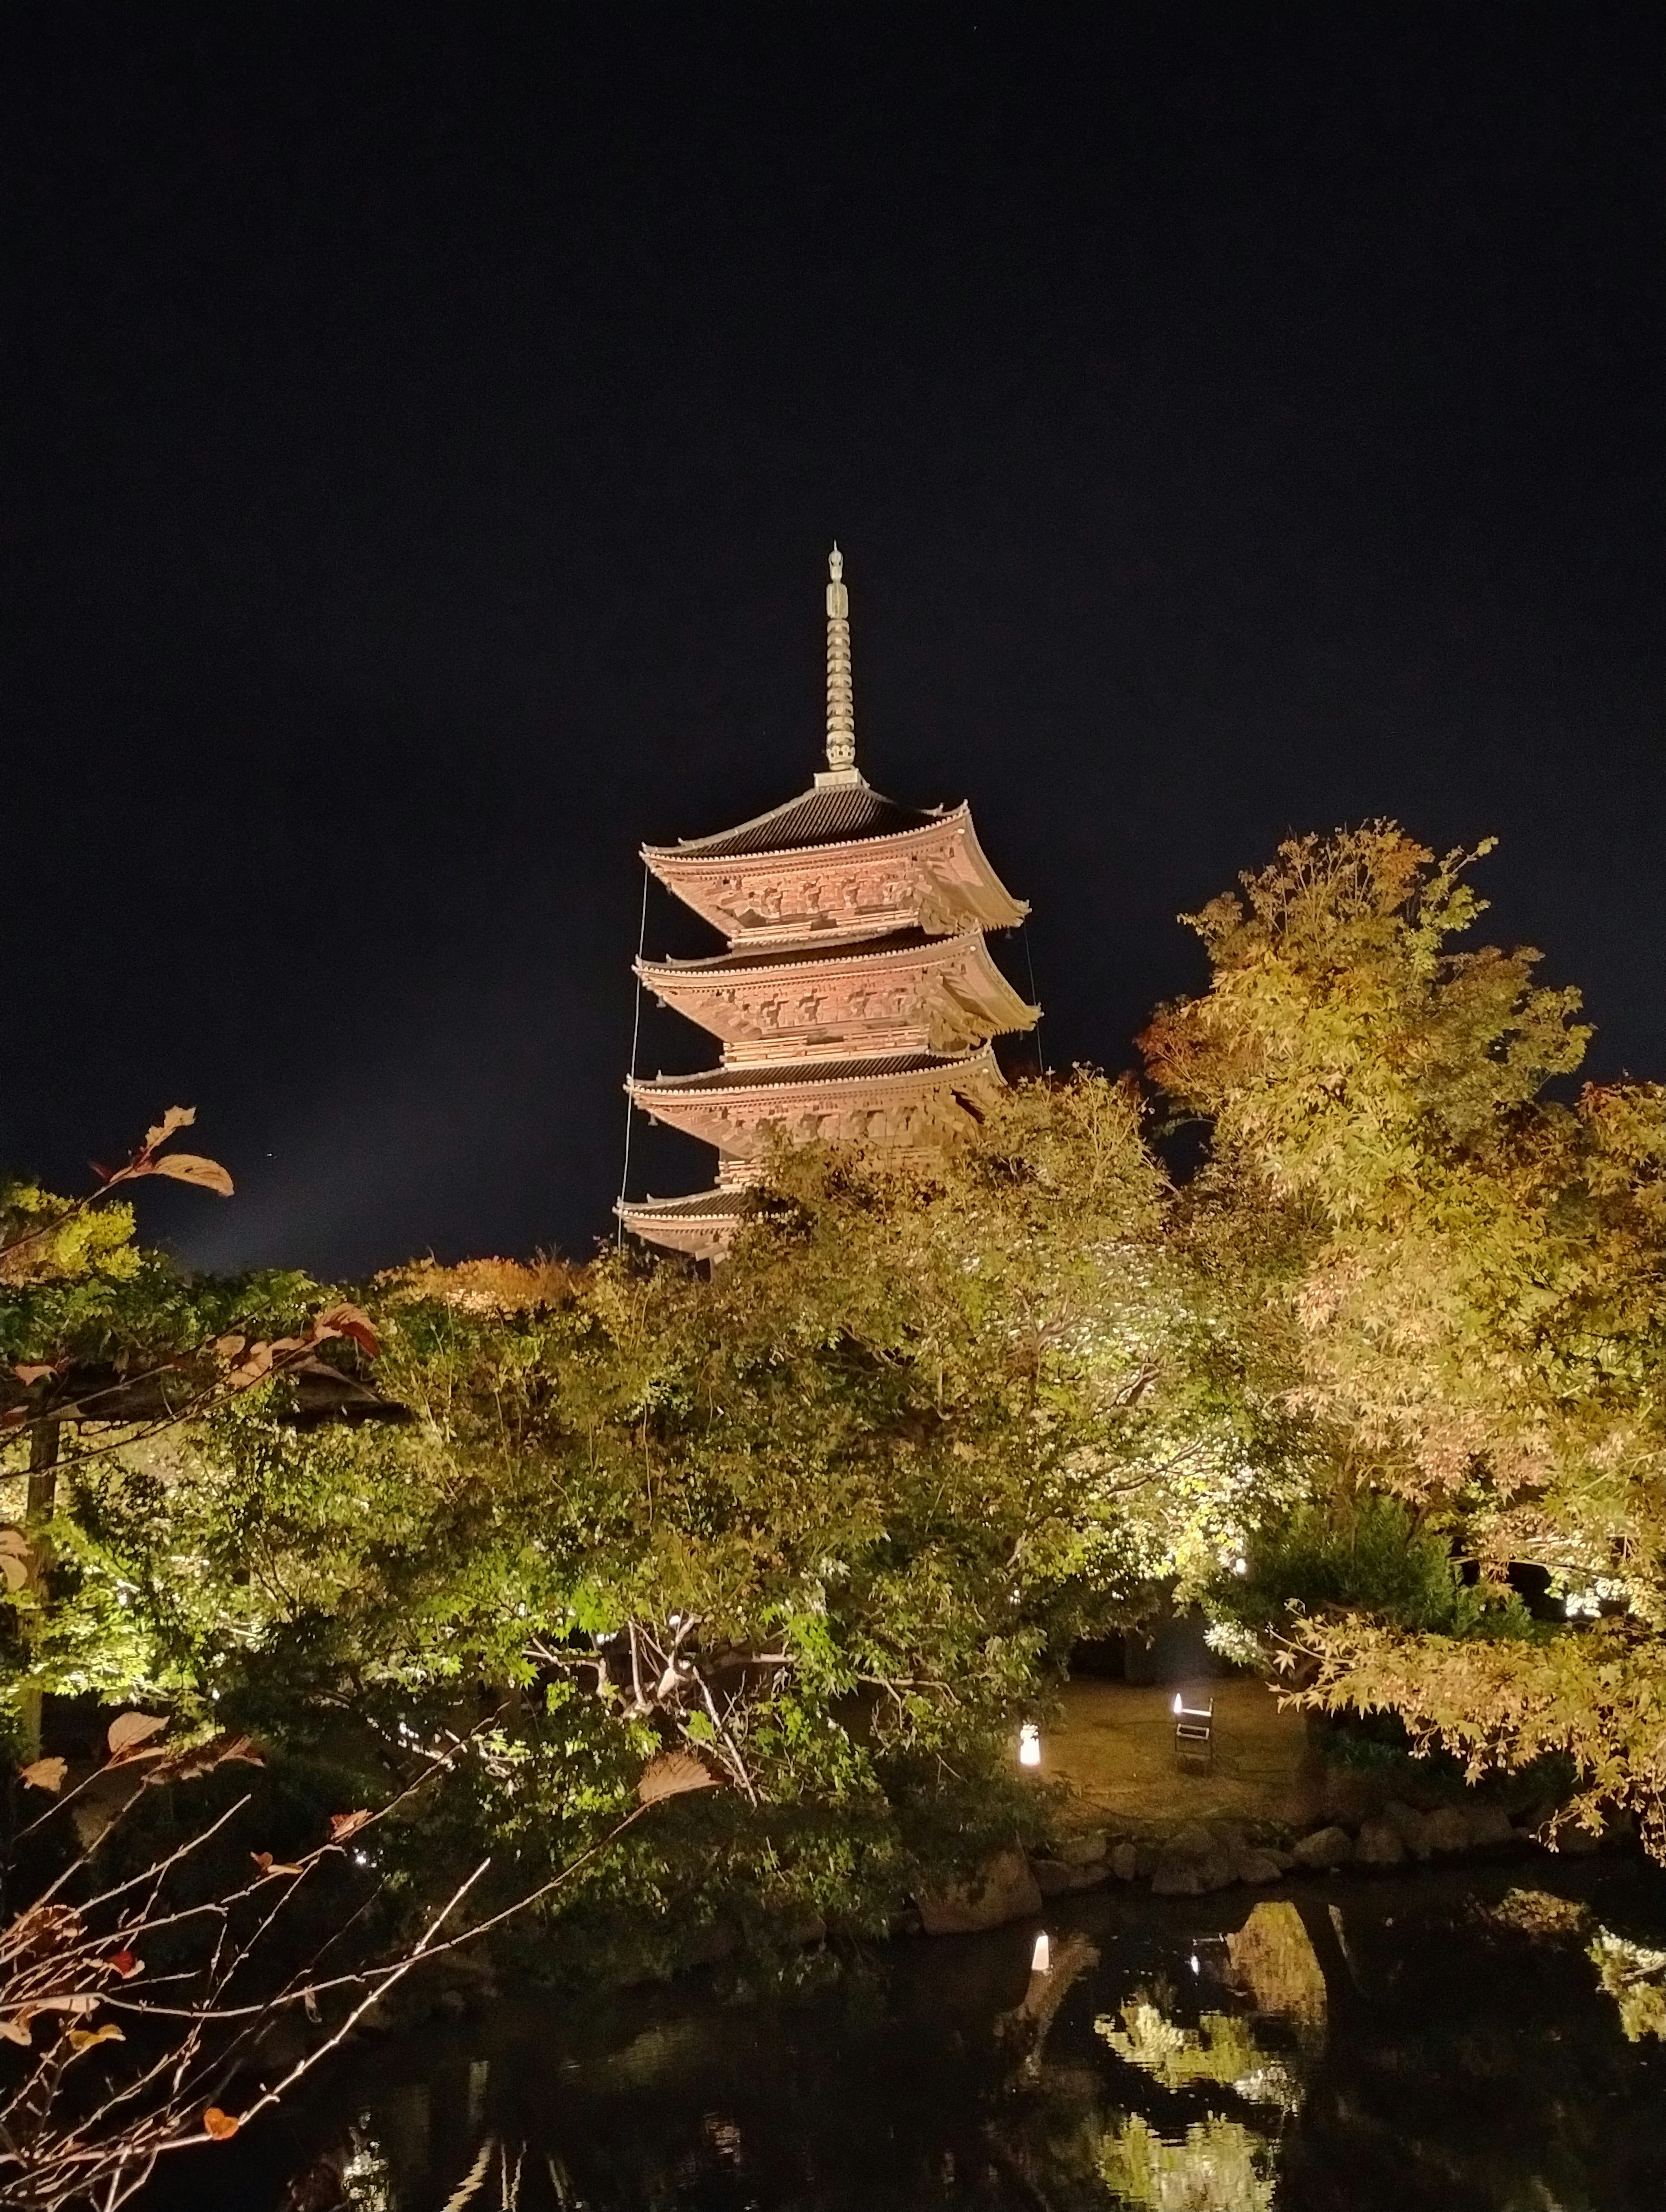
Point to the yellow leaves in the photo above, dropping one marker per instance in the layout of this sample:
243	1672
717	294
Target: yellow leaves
86	2039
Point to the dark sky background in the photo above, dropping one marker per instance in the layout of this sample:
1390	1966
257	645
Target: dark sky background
422	430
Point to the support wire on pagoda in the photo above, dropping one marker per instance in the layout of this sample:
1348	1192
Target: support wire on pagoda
635	1042
1030	963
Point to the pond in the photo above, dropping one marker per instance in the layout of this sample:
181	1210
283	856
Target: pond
1444	2041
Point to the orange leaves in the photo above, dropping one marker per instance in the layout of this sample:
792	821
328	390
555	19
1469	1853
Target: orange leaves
175	1118
349	1321
219	2126
128	1730
178	1167
269	1865
16	1556
672	1774
46	1774
193	1168
344	1824
247	1363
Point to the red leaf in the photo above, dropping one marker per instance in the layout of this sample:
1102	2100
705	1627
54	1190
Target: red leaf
222	2126
123	1963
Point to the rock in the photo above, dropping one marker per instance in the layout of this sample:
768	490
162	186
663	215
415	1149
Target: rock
1193	1863
1125	1861
1004	1889
1447	1831
1489	1825
710	1945
804	1926
1083	1847
1253	1865
1378	1845
1411	1826
1325	1848
1192	1841
1054	1879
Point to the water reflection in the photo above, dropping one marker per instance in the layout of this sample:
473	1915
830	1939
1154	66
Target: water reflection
1435	2045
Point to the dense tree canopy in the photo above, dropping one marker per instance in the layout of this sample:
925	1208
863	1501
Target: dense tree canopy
832	1520
1468	1259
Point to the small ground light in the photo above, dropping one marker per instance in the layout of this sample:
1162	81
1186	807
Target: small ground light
1041	1959
1179	1703
1240	1566
1029	1744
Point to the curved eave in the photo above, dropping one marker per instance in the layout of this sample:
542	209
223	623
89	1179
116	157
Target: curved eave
690	859
977	890
685	985
801	1081
699	1230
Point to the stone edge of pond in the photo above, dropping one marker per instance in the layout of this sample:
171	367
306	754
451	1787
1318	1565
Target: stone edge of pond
1194	1859
1199	1857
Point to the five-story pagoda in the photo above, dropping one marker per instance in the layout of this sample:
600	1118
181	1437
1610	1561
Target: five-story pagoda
857	998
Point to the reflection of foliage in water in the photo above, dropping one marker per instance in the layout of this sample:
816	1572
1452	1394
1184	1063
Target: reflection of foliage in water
1220	2167
1273	1958
1537	1912
1629	1972
367	2177
1636	1979
1219	2048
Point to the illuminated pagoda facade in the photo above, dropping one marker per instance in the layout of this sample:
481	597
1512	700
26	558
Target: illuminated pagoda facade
857	998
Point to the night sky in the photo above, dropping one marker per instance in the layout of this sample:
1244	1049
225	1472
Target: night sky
423	428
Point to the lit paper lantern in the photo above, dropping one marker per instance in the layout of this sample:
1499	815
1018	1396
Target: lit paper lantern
1029	1744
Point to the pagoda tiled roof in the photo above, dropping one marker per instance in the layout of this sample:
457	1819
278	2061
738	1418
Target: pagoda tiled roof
811	952
705	1205
834	814
762	1075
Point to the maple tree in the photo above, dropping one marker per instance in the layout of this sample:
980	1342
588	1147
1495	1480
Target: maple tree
1464	1260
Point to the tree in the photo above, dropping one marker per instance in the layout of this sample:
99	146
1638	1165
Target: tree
830	1520
1467	1269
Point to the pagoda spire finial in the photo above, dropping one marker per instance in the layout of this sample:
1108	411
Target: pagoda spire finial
841	710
